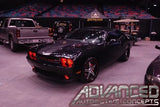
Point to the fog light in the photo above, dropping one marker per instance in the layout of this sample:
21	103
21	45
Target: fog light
66	77
33	68
78	72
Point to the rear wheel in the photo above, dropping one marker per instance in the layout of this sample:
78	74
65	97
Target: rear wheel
13	46
1	41
89	70
126	54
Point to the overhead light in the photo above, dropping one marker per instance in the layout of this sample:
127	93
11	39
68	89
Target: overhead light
61	1
154	5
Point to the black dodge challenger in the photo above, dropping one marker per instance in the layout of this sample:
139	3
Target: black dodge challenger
79	54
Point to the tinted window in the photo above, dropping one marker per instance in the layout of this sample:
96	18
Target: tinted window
22	23
91	36
6	23
114	34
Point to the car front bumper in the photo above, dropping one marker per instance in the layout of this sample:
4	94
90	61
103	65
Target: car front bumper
52	71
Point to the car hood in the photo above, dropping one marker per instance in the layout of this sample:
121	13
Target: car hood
155	66
61	48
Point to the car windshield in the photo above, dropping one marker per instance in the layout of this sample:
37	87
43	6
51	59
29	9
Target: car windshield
91	36
22	23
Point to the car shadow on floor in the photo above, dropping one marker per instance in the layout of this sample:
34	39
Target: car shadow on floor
52	85
103	65
65	84
20	49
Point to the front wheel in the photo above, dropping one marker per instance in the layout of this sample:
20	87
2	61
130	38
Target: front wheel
13	46
1	42
89	70
125	55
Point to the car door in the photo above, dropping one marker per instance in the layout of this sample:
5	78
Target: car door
113	46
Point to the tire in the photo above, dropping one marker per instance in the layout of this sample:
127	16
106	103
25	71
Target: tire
134	43
146	82
1	42
125	55
89	70
13	46
54	37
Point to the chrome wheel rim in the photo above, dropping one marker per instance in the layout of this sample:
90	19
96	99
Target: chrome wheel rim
90	71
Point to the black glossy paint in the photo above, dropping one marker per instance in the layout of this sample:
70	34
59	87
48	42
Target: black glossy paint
109	47
153	71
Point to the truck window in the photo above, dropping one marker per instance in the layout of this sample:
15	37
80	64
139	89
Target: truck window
22	23
6	23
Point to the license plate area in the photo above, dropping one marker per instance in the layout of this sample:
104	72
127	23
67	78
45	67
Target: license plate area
36	41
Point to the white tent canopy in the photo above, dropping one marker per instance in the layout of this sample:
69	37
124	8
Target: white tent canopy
126	20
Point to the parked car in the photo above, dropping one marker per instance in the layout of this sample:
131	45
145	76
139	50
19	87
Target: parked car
22	31
79	54
152	76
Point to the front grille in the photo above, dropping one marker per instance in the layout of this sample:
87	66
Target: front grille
51	75
48	59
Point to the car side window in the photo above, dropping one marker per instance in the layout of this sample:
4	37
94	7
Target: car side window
114	35
22	23
5	24
122	37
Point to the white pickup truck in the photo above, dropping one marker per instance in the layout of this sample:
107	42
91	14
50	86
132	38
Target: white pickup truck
23	31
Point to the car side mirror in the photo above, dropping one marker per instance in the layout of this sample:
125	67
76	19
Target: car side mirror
157	47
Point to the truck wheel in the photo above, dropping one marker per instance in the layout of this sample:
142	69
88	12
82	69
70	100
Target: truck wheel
89	70
13	46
